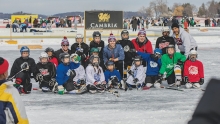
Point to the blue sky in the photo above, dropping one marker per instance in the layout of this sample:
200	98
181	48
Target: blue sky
50	7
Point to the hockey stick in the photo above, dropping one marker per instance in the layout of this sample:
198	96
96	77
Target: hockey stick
198	87
15	75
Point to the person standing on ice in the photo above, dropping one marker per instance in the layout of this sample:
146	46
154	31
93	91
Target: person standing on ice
193	71
98	43
114	52
136	75
65	74
45	73
172	63
80	48
184	40
113	77
12	109
95	78
153	68
165	40
51	56
142	44
22	69
64	49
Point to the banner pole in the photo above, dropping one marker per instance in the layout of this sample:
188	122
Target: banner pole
85	26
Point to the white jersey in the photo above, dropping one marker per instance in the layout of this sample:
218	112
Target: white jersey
93	75
80	73
139	73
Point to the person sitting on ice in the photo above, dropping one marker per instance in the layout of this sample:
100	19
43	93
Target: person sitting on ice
79	79
65	74
22	69
172	63
114	52
51	56
95	78
193	71
93	51
136	75
45	73
113	77
153	67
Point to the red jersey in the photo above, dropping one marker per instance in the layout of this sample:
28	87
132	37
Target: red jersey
146	47
54	61
193	70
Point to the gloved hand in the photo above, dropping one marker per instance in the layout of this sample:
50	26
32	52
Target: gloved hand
135	80
39	77
25	66
154	57
179	62
60	90
130	72
52	82
201	81
160	78
82	82
186	79
96	83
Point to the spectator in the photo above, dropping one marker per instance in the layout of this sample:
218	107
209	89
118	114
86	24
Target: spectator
35	23
15	26
134	24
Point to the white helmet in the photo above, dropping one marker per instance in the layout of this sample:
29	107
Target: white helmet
75	58
193	52
165	29
79	36
43	55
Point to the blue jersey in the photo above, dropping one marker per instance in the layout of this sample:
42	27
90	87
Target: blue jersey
109	74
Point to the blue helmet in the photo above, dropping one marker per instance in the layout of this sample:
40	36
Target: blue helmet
24	49
158	51
109	63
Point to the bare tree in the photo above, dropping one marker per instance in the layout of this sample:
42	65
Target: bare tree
212	8
178	11
159	7
146	11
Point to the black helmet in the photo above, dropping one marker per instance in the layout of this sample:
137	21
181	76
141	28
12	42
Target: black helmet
91	60
64	55
124	32
137	58
96	34
49	49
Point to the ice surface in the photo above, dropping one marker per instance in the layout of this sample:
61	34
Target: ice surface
154	106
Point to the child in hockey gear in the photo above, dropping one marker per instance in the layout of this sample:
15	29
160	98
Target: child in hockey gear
172	63
80	48
153	67
27	66
64	49
12	109
136	75
112	76
95	78
65	74
45	73
128	47
165	40
98	43
114	52
193	71
79	79
93	51
51	56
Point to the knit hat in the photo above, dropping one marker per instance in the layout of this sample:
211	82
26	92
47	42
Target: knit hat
3	65
111	37
174	25
142	32
65	41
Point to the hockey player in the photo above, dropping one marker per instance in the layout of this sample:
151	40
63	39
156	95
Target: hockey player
98	43
136	75
65	74
114	52
95	78
165	40
183	39
12	109
25	67
45	73
80	48
51	56
93	51
112	76
128	47
153	67
171	66
193	71
64	49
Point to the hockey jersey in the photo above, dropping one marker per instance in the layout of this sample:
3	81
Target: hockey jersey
139	73
48	71
54	61
109	74
193	70
94	75
80	73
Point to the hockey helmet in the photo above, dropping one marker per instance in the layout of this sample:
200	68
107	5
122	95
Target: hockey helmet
64	55
24	49
193	55
96	34
124	32
137	58
92	58
93	50
109	63
75	58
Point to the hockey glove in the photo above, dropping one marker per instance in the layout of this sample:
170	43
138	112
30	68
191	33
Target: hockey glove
130	72
52	82
201	81
135	80
25	66
82	82
186	79
179	62
96	83
39	77
154	57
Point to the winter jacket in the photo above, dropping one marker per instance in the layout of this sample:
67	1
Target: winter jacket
153	66
169	63
12	109
109	74
162	42
184	41
100	46
16	67
54	61
117	52
48	71
58	52
94	75
193	70
134	23
139	73
128	55
80	73
143	47
84	47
